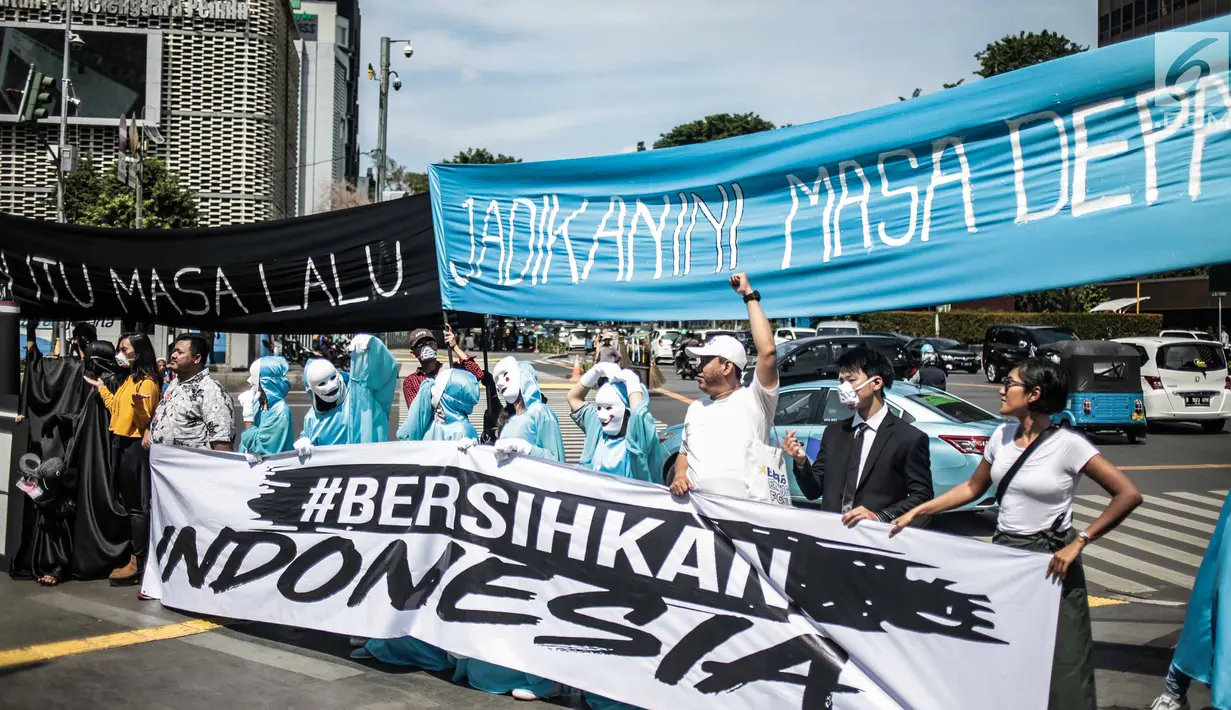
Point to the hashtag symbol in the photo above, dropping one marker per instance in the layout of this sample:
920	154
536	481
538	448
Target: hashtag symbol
321	502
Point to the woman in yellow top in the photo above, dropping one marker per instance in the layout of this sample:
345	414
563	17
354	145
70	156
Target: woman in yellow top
132	408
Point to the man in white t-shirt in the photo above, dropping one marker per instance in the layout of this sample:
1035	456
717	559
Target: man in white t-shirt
719	429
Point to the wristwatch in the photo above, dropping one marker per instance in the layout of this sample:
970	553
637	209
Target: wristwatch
1084	537
754	296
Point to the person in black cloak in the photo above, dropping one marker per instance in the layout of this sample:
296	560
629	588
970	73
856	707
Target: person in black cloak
52	394
101	536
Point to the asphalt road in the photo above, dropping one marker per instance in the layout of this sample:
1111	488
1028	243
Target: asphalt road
104	649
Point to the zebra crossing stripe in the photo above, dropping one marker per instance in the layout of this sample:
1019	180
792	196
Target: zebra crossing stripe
1148	569
1165	517
1090	514
1182	507
1111	581
1208	500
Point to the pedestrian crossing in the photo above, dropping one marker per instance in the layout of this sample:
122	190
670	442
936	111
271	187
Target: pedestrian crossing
1160	546
573	436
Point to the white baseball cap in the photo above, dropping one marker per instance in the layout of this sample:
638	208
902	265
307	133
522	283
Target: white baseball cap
725	347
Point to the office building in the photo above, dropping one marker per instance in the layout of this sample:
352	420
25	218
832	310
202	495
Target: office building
219	79
1122	20
329	133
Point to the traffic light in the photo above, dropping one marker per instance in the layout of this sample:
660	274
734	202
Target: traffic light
36	100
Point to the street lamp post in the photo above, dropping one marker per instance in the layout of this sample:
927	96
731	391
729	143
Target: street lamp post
68	46
382	167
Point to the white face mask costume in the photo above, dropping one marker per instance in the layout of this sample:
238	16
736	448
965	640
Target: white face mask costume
508	379
611	410
848	394
325	383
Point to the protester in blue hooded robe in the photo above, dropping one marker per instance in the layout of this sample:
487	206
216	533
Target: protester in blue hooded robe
1199	654
266	412
532	430
441	412
354	408
621	440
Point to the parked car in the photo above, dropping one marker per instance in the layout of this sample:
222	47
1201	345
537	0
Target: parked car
957	430
785	335
1105	390
1186	334
902	338
838	327
816	358
1184	381
1006	345
577	339
661	344
952	354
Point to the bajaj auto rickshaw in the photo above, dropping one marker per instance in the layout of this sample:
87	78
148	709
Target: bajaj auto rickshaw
1104	387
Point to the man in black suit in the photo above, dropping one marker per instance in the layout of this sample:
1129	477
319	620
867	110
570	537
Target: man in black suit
873	466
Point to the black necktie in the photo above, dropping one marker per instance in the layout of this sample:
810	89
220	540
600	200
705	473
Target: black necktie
852	468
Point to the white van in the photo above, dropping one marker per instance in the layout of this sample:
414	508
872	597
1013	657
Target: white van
1184	380
786	335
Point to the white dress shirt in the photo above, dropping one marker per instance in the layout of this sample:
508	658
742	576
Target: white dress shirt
869	435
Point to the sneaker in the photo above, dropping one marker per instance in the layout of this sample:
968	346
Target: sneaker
1166	702
523	694
361	654
358	642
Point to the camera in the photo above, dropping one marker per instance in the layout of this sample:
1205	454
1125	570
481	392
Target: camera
397	84
408	50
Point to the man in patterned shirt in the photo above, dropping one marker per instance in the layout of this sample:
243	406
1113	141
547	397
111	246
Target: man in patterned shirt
196	410
424	346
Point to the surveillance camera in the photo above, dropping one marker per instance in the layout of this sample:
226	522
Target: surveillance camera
408	50
75	40
397	84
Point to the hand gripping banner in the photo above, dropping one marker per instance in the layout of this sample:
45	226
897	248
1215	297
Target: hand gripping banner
604	584
1112	163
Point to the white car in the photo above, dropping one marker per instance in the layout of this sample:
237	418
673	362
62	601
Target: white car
577	339
1184	380
786	335
1185	334
661	344
838	327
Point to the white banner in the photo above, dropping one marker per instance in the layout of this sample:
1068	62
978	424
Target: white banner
602	583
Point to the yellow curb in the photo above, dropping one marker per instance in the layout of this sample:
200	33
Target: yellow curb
59	649
673	395
1104	601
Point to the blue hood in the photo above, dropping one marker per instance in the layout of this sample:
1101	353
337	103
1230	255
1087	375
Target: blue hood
274	382
460	396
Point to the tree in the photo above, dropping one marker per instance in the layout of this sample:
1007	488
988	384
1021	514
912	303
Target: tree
919	92
481	156
1017	52
97	198
714	127
342	196
1078	299
1024	50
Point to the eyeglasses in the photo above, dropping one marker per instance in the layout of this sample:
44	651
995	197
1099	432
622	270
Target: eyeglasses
1010	383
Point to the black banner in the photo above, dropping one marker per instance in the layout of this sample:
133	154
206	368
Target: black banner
369	268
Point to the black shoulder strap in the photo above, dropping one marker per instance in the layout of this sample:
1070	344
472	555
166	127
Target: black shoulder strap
1021	460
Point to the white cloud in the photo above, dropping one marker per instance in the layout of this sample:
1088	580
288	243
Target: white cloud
545	79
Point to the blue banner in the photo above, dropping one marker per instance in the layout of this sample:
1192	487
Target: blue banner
1109	164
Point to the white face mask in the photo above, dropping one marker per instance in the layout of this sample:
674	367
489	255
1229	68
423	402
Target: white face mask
325	381
610	410
121	359
508	380
848	394
438	386
427	352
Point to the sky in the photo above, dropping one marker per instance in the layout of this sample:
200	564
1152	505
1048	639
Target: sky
548	79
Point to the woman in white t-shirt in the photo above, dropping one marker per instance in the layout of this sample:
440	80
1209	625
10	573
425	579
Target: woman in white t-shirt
1036	510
